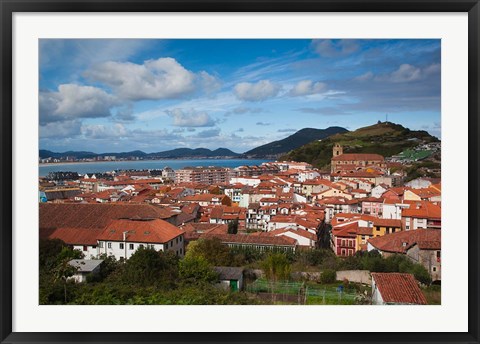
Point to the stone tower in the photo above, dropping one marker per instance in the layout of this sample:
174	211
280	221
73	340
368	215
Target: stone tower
337	150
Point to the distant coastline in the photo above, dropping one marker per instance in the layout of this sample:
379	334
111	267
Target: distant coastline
162	159
88	167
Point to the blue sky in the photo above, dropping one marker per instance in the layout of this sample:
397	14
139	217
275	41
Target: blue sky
107	95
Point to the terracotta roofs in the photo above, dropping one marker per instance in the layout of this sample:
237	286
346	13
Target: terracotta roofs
72	236
398	288
387	223
144	231
400	242
254	239
425	210
358	157
58	215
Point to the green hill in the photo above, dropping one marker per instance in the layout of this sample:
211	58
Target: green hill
293	141
384	138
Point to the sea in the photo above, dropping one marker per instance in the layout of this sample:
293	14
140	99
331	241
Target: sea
108	166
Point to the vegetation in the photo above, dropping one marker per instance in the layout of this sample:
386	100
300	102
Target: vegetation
328	276
151	277
233	227
386	139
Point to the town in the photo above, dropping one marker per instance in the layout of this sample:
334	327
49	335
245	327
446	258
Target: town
283	232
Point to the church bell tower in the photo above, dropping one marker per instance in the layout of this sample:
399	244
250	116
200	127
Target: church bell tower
337	150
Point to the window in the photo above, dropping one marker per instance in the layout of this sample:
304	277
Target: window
181	239
140	246
176	240
100	244
109	245
94	247
85	248
181	251
130	246
122	246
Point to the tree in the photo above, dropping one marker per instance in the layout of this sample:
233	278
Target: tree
196	270
233	227
148	267
323	233
216	253
49	251
63	269
276	268
328	276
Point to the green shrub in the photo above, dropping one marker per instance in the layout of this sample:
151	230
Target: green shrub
328	276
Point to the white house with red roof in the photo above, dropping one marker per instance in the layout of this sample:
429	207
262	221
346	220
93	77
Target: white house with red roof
121	238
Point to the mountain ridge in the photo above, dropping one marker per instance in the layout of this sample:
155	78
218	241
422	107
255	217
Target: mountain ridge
296	140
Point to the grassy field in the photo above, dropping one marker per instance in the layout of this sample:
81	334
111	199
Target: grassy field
309	293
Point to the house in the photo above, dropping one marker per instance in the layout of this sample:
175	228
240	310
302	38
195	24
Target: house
396	289
372	206
378	190
205	199
422	215
304	237
84	267
337	205
422	246
344	239
230	278
80	225
386	226
121	238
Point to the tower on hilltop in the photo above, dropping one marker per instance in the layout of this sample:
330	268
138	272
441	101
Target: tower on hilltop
337	149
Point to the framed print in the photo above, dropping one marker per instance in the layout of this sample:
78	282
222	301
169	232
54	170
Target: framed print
268	171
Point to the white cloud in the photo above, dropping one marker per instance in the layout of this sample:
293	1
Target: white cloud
364	77
100	131
307	87
163	78
406	73
75	101
255	92
209	83
63	129
331	48
190	118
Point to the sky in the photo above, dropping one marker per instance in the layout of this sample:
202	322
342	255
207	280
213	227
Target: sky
119	95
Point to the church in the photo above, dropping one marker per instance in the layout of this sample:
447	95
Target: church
356	162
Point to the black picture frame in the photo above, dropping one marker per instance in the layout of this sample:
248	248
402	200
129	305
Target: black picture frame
9	7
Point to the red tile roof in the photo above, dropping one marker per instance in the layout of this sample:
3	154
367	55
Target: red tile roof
359	157
72	236
253	239
91	216
400	242
399	288
426	210
387	223
145	231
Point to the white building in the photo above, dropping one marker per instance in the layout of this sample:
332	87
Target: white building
123	237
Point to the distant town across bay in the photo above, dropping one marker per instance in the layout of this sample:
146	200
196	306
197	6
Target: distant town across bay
105	166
